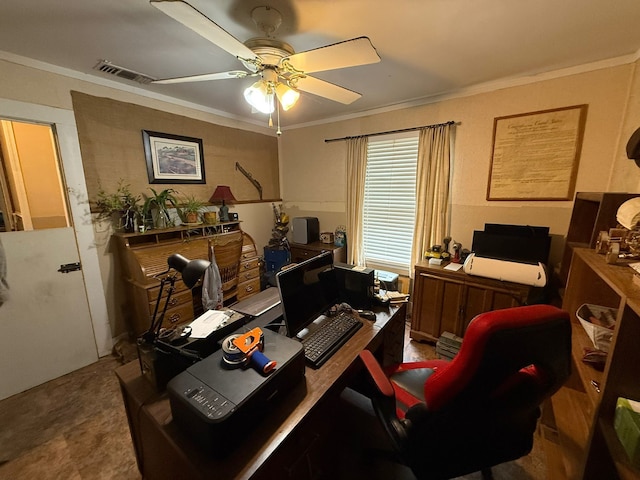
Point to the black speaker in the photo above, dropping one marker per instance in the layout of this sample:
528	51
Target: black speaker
633	147
355	285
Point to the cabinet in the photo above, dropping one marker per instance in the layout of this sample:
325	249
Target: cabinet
592	213
445	300
585	406
144	255
301	252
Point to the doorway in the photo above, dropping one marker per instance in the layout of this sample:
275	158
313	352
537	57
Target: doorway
54	316
32	193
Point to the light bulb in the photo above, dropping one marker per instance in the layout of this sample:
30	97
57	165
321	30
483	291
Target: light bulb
259	97
287	96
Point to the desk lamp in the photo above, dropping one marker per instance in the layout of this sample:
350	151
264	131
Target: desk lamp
223	194
191	271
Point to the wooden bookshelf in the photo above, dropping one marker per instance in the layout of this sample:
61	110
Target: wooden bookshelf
592	213
585	406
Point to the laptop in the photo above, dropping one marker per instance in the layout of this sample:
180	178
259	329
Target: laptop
307	291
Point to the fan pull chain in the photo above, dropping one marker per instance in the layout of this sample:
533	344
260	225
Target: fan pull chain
278	131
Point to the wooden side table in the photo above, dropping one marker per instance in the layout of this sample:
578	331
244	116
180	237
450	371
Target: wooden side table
301	252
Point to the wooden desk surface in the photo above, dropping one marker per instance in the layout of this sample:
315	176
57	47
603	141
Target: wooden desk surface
165	451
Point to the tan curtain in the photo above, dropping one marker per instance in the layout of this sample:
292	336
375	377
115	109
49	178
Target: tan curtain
432	189
356	173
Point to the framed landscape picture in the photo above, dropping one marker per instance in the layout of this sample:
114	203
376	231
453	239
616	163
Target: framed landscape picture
173	158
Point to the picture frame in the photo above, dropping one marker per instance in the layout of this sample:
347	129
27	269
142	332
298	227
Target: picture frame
535	155
173	158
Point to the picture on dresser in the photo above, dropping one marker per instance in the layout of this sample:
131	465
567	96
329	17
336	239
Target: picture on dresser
173	158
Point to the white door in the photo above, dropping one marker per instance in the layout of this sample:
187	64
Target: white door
51	322
45	319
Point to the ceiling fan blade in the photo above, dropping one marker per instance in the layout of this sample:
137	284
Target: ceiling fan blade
204	77
350	53
203	26
326	89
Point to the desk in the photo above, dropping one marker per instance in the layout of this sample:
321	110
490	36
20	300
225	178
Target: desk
282	445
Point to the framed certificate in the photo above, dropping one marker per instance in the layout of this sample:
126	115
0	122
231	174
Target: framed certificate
535	156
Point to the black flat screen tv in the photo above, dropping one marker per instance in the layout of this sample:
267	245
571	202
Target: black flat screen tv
515	243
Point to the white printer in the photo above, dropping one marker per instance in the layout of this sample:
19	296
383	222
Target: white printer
512	253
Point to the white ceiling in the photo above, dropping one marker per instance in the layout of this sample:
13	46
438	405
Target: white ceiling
428	47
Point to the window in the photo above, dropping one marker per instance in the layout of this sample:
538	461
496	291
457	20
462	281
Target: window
390	202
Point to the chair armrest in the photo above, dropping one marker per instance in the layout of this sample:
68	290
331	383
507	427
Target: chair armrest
377	375
384	402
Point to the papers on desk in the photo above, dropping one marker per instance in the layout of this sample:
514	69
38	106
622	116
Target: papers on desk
210	321
454	267
397	297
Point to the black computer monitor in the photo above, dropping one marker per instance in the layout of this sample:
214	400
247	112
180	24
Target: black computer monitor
307	290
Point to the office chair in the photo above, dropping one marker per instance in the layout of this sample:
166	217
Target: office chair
447	419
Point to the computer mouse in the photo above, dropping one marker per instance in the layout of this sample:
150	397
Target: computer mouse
368	314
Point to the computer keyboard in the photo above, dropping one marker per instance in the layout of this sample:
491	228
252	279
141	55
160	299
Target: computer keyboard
321	344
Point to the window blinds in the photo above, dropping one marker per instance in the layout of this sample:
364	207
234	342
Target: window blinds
389	202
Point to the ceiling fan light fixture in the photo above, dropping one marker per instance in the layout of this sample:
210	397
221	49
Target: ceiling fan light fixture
260	97
287	96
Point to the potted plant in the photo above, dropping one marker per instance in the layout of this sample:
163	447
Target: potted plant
190	209
121	205
157	207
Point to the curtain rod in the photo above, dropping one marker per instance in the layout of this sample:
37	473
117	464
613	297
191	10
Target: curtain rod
451	122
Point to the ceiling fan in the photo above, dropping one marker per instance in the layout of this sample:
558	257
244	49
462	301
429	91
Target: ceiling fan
283	73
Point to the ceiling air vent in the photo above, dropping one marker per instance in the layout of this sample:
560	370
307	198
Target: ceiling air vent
107	67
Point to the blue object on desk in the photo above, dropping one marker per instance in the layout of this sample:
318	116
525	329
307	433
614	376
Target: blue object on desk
275	258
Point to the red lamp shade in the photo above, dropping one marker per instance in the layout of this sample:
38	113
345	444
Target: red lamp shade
222	195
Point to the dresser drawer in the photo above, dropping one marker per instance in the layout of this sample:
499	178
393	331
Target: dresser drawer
248	288
248	251
175	315
300	254
177	298
243	276
246	265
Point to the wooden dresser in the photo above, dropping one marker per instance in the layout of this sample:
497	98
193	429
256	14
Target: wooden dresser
144	255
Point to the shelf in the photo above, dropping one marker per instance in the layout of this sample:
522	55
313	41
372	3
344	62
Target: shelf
592	213
592	449
587	372
623	466
171	235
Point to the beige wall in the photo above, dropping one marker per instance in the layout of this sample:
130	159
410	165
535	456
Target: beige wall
39	87
110	134
313	172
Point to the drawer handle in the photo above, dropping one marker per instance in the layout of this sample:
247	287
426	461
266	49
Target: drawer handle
174	318
173	301
247	276
249	288
247	266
